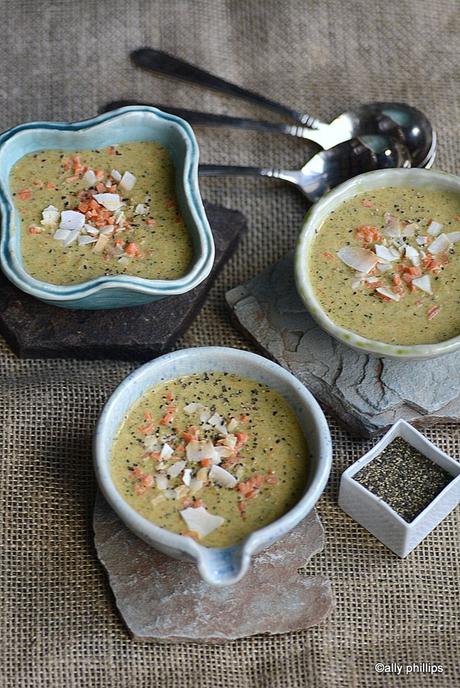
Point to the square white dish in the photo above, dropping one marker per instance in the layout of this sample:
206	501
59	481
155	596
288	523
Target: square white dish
377	516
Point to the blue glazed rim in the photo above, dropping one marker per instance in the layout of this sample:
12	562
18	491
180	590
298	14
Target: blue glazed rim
204	246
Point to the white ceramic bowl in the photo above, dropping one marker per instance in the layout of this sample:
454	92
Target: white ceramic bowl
218	566
417	178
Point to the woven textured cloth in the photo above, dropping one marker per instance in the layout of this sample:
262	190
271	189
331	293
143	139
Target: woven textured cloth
62	60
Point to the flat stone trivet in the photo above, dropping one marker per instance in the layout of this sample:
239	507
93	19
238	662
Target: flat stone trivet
36	330
366	393
162	599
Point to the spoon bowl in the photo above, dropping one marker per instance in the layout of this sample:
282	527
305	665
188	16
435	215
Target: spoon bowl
328	168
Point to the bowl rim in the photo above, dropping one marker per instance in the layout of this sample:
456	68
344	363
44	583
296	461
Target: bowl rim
311	221
204	251
268	533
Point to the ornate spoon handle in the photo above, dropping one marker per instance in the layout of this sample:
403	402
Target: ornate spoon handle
165	64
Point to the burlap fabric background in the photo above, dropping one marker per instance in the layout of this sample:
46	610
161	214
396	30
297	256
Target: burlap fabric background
61	60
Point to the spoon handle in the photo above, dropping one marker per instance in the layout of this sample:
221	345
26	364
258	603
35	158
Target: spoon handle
164	64
295	177
214	120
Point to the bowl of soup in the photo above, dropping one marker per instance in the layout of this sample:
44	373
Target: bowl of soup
211	454
378	263
103	213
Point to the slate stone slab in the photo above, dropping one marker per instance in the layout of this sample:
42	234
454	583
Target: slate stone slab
36	330
366	393
162	599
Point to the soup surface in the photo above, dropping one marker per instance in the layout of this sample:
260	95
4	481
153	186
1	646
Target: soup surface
124	221
213	456
386	265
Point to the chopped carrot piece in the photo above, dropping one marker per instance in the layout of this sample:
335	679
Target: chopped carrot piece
138	472
111	150
146	429
33	229
328	255
147	415
206	463
99	174
132	249
147	481
139	489
367	204
150	221
25	195
244	418
433	312
169	395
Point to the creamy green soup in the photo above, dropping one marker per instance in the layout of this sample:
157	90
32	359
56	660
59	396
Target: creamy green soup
386	265
211	456
125	218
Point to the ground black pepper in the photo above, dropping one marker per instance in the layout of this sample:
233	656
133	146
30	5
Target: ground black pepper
405	479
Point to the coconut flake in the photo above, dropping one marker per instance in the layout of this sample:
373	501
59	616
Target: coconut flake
383	267
110	201
229	441
101	243
90	178
360	259
89	229
176	468
106	230
385	253
72	236
392	226
166	451
61	234
127	181
196	485
161	481
197	450
71	219
170	493
200	520
434	228
217	422
223	452
84	240
141	209
421	240
115	174
409	229
412	254
389	294
124	260
453	237
187	477
423	283
222	477
50	216
440	244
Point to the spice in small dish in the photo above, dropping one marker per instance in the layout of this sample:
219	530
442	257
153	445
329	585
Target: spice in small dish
403	478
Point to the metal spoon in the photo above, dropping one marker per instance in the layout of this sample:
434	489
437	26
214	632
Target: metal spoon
327	169
199	118
419	135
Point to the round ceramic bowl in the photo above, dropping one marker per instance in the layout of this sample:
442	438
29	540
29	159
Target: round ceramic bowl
137	123
416	178
218	566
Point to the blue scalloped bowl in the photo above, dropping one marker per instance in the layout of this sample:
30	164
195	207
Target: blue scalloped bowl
137	123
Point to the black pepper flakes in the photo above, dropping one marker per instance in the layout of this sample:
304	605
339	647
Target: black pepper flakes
404	478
